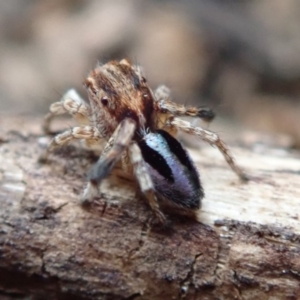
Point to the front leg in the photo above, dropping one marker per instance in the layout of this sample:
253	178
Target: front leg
70	103
165	105
112	152
145	181
210	137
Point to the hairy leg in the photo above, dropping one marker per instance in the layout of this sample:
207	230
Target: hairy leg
210	137
79	132
145	180
70	103
112	152
162	95
87	133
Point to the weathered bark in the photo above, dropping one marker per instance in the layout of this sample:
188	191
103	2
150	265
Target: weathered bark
246	245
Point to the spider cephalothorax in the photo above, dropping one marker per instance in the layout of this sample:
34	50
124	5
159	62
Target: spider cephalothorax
141	126
116	92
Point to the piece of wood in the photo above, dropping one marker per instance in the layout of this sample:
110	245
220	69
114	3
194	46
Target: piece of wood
246	244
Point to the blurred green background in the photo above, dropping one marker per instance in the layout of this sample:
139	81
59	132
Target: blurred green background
242	58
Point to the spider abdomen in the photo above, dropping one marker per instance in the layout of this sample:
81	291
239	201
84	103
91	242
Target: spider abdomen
172	170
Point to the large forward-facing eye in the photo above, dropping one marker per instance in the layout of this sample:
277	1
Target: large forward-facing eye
146	96
104	100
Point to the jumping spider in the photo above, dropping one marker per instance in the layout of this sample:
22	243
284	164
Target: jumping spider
139	129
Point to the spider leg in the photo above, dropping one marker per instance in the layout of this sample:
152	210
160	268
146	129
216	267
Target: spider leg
144	180
87	133
70	103
210	137
162	95
79	132
112	152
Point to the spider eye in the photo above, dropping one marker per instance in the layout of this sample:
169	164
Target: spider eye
104	100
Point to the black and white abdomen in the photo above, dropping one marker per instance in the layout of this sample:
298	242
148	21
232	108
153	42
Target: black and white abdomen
172	170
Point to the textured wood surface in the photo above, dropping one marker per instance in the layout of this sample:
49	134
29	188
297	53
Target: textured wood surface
246	244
